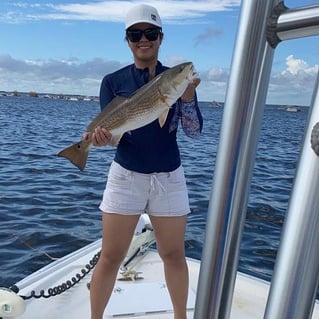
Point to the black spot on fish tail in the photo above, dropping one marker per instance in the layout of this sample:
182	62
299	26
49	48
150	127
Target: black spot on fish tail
77	154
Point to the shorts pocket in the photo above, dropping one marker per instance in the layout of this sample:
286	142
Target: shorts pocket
119	178
177	177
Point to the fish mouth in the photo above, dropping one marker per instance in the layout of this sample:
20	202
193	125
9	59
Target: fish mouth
192	74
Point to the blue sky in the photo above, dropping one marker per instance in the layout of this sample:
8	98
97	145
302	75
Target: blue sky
67	46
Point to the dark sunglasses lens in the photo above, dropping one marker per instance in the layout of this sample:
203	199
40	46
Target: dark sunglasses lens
136	35
151	34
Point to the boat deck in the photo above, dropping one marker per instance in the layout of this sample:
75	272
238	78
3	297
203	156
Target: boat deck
142	298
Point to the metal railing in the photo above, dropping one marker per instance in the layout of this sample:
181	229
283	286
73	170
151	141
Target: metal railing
263	24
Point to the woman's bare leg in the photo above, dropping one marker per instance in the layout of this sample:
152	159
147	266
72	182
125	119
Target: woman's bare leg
170	237
118	231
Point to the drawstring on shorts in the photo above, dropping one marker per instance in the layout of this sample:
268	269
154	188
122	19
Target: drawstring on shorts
156	185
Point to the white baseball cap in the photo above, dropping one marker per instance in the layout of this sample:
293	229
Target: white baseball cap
142	13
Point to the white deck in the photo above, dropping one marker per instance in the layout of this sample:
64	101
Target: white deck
150	294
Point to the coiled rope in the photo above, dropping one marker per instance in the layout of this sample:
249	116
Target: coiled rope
57	290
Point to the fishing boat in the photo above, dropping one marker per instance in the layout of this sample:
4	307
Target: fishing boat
217	289
216	104
292	108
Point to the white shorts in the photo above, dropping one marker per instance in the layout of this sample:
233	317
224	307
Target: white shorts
157	194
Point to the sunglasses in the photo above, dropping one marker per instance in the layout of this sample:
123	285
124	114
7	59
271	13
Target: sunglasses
151	34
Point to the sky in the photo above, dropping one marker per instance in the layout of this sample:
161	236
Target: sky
67	46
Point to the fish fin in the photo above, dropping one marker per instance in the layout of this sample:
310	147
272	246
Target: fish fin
163	117
115	140
77	154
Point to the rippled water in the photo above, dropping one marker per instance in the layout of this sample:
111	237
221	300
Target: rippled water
48	207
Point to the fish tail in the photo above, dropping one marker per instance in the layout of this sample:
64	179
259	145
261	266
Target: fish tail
77	154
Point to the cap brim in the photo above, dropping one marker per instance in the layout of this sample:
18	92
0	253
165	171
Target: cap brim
142	21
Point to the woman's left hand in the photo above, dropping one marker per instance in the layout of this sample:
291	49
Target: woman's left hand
189	93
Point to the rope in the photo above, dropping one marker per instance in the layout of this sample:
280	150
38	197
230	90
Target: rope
57	290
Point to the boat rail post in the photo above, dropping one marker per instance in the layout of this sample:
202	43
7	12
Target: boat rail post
241	124
296	275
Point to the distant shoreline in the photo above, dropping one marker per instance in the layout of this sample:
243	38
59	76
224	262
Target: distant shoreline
79	97
61	96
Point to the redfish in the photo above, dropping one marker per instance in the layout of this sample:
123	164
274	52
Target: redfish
150	102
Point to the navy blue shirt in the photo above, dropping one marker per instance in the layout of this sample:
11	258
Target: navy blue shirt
148	149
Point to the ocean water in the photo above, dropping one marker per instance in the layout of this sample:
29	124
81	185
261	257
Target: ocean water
49	208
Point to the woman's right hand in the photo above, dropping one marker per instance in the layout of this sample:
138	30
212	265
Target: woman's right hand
100	137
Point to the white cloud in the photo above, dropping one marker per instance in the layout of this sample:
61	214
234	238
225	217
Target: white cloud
216	74
295	66
113	11
54	76
174	60
296	81
294	85
298	73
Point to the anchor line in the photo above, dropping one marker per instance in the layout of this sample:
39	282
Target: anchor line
59	289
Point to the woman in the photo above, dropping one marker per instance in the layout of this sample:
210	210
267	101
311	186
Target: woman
146	174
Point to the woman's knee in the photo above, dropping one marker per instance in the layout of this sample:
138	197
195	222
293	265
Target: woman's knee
172	255
111	259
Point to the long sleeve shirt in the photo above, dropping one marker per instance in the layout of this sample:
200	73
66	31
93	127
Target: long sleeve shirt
151	148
